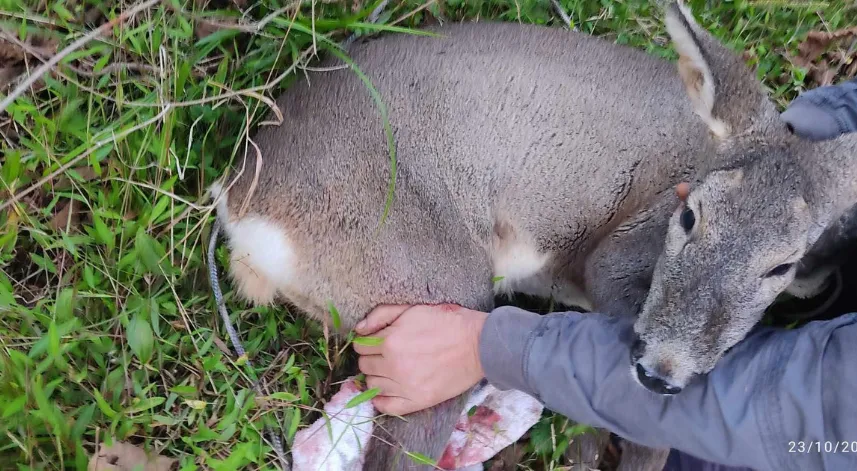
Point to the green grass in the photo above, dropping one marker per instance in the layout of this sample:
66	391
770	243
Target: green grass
107	323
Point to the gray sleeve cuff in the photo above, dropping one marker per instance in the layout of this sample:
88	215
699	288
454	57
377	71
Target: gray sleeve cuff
504	346
810	121
824	112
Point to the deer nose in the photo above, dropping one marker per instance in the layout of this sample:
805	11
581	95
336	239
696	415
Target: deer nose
655	383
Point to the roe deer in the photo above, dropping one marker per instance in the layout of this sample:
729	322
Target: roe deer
550	159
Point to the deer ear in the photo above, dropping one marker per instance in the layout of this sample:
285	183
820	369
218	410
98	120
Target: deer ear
723	90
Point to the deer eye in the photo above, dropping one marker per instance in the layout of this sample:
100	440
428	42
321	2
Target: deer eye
687	219
779	270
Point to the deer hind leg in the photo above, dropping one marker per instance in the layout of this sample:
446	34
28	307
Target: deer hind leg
425	432
587	450
639	458
267	265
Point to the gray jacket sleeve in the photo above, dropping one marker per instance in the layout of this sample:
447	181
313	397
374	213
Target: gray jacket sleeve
779	400
824	112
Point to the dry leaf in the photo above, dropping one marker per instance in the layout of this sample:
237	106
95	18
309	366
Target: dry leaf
204	28
178	325
67	217
16	53
508	458
35	200
221	345
822	74
8	74
8	129
828	57
86	173
123	456
817	42
93	16
10	53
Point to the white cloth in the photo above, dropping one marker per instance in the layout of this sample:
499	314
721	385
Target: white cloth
491	421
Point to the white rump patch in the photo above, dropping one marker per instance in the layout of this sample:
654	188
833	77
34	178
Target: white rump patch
262	259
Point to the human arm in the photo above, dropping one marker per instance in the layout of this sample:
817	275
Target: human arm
774	388
824	112
771	403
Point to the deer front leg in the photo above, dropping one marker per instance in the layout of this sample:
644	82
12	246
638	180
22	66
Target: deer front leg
619	271
617	276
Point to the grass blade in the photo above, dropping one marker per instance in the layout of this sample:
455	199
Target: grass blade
367	395
368	341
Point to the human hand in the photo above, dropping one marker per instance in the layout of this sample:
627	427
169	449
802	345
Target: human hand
428	354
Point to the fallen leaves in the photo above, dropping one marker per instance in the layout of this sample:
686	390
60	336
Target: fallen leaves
82	174
203	28
206	26
66	218
828	56
817	42
11	49
17	54
123	456
71	213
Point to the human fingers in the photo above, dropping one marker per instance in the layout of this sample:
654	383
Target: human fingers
380	317
371	348
393	405
386	386
373	365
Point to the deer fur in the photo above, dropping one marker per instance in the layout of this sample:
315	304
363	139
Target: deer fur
546	157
